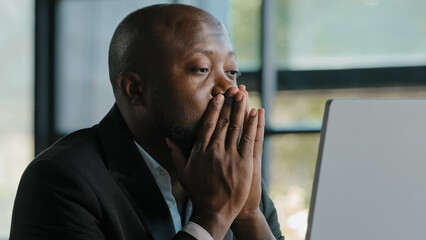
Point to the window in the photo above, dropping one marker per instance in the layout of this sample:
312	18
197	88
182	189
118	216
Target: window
16	101
329	49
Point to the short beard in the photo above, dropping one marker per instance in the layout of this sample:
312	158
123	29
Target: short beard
183	136
179	135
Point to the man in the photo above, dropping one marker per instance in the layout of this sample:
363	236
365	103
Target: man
178	156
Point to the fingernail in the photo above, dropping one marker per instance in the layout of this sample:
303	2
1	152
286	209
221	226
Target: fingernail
253	112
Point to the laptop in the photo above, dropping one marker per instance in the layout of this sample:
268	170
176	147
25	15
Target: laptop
370	179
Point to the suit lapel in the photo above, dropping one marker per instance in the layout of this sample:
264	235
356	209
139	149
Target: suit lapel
129	169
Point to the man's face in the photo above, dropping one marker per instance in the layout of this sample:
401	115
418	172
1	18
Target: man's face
192	73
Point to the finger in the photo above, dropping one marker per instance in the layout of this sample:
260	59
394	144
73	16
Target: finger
258	145
208	124
243	88
260	132
237	120
249	134
178	159
221	130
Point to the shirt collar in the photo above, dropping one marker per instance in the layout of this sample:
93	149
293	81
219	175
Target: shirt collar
152	165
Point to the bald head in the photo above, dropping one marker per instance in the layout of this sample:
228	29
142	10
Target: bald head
167	63
143	39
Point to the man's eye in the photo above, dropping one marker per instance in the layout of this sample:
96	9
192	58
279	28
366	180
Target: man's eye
200	70
234	73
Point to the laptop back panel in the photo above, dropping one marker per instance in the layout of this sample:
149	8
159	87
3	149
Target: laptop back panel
370	180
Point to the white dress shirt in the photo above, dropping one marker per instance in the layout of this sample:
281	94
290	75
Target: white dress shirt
163	180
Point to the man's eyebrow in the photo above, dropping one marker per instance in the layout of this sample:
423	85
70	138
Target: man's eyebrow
202	50
208	52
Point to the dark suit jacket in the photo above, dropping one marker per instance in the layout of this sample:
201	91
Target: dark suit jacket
93	184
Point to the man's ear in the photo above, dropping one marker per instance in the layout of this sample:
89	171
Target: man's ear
131	86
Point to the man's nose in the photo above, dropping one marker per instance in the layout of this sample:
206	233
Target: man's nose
222	84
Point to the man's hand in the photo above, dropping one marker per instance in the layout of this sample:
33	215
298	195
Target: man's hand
218	174
250	222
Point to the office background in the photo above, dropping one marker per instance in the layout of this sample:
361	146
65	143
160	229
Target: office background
294	55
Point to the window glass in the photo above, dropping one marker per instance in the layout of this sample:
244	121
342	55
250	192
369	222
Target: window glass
246	26
83	90
304	109
292	172
350	34
16	100
254	99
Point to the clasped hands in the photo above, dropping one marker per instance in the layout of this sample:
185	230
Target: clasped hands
223	173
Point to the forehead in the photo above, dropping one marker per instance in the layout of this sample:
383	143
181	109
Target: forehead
184	33
205	41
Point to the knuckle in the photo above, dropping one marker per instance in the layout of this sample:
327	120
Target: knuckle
234	127
215	146
246	139
216	153
198	147
223	122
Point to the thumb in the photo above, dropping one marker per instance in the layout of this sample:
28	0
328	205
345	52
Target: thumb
178	159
